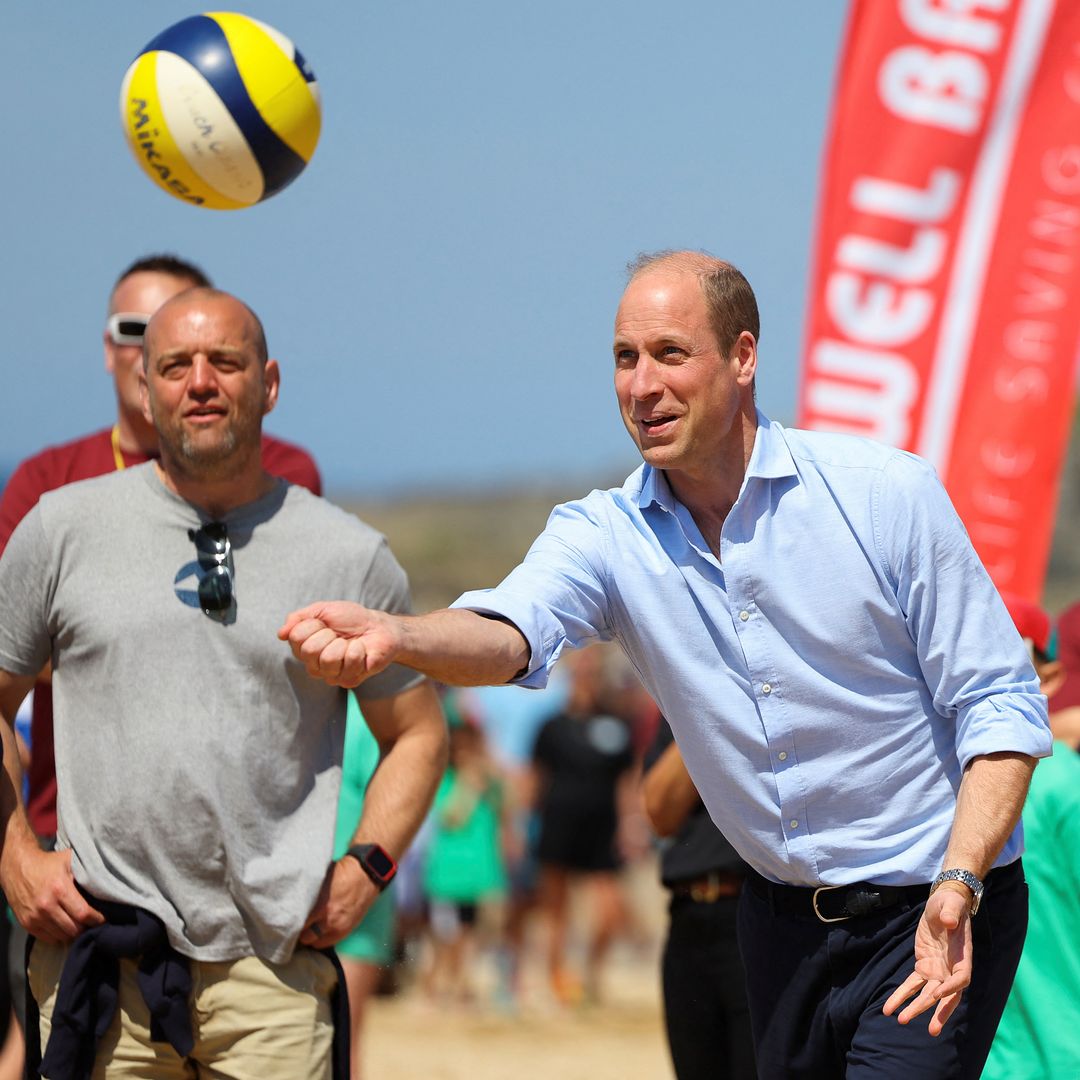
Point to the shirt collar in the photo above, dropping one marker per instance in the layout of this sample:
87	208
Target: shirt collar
770	459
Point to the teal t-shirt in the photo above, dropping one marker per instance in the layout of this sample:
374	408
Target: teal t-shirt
464	859
373	939
1039	1034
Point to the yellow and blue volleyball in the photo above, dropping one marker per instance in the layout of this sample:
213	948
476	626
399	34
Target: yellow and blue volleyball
221	110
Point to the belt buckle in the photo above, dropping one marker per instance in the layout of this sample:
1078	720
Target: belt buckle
707	891
817	911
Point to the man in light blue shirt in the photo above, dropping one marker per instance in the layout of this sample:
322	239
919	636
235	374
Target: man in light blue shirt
846	686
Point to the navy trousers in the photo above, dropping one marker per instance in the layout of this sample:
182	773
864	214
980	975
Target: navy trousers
816	990
708	1023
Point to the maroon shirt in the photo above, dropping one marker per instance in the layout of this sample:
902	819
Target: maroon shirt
55	466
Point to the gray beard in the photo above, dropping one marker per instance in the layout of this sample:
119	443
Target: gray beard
206	462
210	460
200	458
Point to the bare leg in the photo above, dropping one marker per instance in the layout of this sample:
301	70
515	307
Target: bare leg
13	1052
361	979
608	916
460	951
555	903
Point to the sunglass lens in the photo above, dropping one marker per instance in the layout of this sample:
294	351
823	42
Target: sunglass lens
213	549
211	542
131	328
215	589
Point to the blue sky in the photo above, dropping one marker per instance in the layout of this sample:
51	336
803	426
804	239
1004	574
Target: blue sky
439	284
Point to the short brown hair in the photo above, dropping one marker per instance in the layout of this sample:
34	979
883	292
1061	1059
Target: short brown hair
211	293
165	263
731	302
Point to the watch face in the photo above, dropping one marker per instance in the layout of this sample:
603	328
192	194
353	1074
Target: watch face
379	861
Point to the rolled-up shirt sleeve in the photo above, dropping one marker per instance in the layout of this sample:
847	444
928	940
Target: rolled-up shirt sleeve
973	660
558	596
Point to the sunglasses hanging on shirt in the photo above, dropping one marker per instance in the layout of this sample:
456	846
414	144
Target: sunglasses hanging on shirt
215	557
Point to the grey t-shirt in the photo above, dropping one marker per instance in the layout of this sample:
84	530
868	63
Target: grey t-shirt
197	763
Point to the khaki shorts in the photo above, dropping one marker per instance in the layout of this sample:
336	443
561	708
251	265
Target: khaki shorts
251	1020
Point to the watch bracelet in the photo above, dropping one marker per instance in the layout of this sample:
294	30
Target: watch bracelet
966	878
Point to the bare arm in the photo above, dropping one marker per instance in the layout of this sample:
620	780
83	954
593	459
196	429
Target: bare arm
670	795
14	826
411	733
344	644
988	806
38	884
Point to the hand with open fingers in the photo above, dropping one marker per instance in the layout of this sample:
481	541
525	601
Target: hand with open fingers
41	890
343	901
942	961
341	643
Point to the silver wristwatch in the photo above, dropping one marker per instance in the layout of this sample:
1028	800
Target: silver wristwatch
965	877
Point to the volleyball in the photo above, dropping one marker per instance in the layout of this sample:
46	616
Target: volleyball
221	111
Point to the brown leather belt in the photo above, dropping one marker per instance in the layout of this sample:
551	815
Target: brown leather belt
709	888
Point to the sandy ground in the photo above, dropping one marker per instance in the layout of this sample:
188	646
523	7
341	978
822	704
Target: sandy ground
619	1038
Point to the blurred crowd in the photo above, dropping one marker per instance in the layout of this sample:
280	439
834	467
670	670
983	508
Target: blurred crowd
536	819
539	801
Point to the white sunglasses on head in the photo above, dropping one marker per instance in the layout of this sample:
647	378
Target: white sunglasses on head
127	327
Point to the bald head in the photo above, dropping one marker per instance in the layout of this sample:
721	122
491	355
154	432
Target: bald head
208	384
206	296
731	302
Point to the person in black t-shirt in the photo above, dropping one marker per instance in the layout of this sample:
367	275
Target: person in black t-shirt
705	1010
583	760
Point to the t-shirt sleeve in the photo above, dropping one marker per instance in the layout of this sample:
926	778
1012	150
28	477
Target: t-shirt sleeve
974	662
26	584
558	596
386	588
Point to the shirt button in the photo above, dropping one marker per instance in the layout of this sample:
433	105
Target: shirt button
782	755
766	688
794	823
744	615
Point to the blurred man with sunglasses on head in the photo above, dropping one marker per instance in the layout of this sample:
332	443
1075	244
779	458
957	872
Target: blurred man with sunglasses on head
199	764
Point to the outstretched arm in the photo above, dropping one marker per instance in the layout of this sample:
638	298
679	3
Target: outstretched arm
39	884
411	733
343	644
988	807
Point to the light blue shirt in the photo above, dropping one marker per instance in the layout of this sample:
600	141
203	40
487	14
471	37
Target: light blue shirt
828	679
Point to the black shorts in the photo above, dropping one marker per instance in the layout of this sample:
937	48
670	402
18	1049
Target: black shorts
583	842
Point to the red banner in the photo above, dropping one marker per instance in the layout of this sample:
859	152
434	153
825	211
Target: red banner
944	308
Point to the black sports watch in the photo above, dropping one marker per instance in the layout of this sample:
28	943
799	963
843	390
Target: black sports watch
376	862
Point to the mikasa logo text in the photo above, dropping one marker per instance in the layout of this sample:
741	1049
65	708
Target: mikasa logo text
145	141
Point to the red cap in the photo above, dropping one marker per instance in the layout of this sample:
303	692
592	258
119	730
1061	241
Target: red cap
1030	619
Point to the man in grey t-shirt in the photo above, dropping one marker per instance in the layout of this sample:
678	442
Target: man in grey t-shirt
198	764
